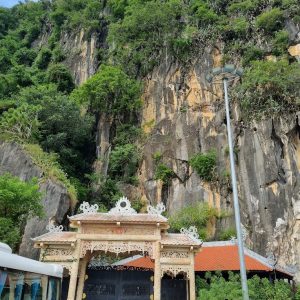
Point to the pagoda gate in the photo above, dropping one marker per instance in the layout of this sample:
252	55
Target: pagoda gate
121	231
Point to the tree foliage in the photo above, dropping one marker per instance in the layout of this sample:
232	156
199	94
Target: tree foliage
204	164
269	88
20	123
270	20
18	201
163	173
140	38
61	76
63	128
216	287
110	91
124	161
198	214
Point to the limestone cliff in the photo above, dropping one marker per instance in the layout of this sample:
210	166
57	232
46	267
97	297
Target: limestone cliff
81	53
55	199
183	115
80	50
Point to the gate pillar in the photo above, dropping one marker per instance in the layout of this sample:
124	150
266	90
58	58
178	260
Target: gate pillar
74	273
157	273
192	290
81	277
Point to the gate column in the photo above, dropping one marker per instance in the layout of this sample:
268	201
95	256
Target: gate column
192	290
81	278
74	273
157	273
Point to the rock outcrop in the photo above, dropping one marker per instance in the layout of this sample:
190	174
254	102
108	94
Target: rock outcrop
55	199
183	115
81	49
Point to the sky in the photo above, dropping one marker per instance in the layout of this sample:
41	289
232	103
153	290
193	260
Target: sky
10	3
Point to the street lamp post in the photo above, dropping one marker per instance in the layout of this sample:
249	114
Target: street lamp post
224	75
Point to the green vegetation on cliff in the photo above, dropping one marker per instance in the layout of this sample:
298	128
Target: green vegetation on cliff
204	164
18	201
40	103
199	214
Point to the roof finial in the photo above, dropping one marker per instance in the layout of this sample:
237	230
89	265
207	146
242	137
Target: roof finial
123	207
191	232
158	210
86	208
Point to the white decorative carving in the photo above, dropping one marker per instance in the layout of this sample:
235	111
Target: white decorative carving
86	208
174	270
123	207
174	254
158	210
116	247
191	232
52	228
59	252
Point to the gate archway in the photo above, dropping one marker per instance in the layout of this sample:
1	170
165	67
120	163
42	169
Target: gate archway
121	230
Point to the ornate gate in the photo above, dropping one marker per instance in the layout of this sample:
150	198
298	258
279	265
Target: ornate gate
121	231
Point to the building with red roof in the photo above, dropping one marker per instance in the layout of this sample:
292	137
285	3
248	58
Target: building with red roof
220	256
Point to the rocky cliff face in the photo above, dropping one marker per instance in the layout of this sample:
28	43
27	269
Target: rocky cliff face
56	202
80	49
183	115
81	53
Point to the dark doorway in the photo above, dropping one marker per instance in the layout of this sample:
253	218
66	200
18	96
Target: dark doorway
173	288
118	285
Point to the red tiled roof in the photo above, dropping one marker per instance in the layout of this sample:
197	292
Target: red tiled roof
218	258
141	262
213	258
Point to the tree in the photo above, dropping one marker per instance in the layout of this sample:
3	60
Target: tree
20	123
60	75
63	128
270	20
43	59
18	201
110	91
124	161
146	31
25	56
6	21
269	88
5	62
66	131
